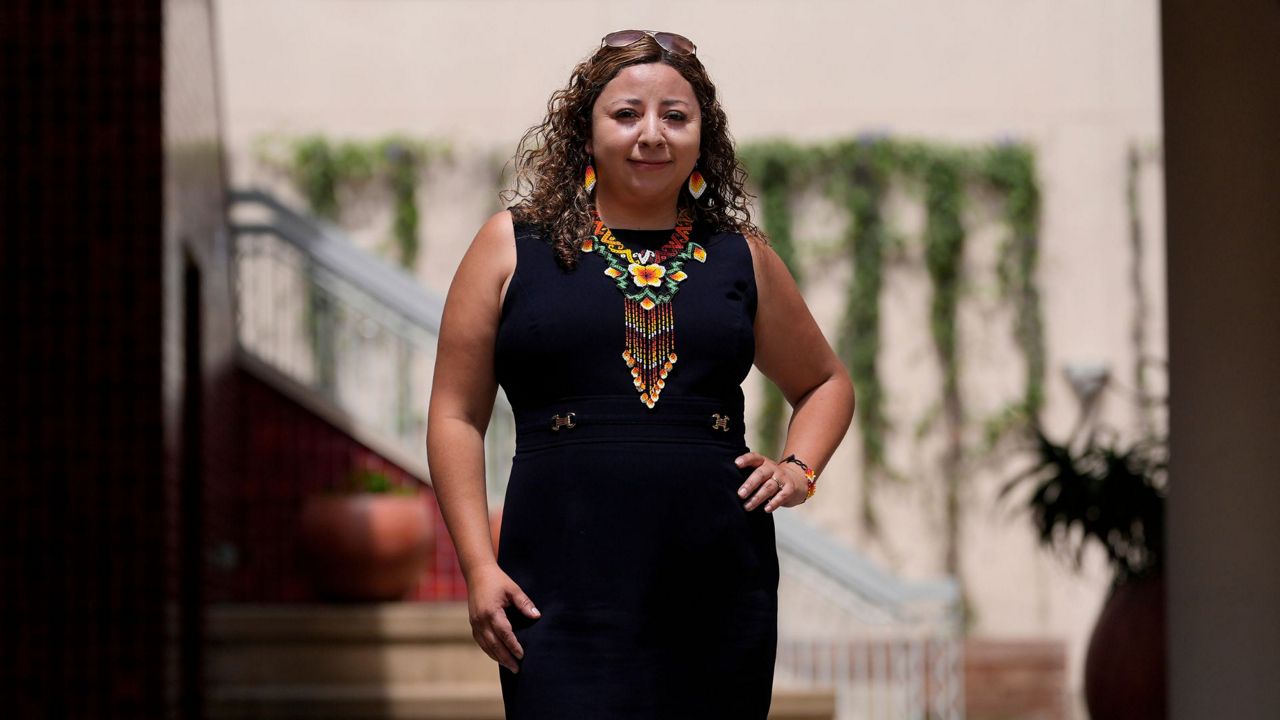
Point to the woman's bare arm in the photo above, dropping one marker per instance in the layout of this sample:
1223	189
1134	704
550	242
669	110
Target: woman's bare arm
464	388
792	352
462	395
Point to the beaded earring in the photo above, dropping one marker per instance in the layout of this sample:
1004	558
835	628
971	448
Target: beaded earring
589	179
697	185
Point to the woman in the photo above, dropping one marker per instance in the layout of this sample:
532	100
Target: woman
620	306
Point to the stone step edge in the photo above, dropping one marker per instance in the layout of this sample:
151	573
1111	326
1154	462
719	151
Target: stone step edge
364	691
365	622
475	701
452	694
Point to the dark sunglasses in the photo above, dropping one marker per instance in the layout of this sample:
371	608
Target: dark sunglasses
671	42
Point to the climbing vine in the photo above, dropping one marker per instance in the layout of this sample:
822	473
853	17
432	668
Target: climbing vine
862	171
857	175
319	167
1147	402
776	170
944	237
1010	169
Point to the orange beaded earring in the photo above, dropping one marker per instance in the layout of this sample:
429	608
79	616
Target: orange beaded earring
697	185
589	179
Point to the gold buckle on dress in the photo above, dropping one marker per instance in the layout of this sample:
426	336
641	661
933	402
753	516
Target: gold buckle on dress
558	422
721	422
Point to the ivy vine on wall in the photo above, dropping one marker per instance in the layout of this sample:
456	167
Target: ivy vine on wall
319	167
1009	168
857	175
862	171
776	169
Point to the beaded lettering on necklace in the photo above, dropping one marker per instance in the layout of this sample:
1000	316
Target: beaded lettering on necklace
648	280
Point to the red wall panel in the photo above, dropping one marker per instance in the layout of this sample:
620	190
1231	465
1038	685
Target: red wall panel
284	453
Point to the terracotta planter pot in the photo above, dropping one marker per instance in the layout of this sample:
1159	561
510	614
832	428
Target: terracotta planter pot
1124	670
365	547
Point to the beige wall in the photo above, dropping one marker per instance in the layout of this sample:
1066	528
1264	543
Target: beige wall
1078	80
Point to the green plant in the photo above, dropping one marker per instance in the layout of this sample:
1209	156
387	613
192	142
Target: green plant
319	166
775	167
857	175
376	482
862	170
1010	170
1104	490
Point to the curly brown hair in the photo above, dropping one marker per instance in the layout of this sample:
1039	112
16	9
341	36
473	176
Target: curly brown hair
552	156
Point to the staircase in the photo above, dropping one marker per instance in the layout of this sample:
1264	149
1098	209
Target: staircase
407	661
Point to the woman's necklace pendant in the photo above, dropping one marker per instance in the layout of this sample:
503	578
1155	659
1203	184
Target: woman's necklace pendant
648	281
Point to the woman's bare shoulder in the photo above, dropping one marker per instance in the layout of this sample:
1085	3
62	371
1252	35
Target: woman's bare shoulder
493	251
764	260
497	236
488	263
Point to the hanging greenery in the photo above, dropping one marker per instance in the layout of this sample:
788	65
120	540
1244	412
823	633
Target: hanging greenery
404	165
319	167
944	237
316	167
861	172
775	169
857	175
1147	402
1009	168
944	248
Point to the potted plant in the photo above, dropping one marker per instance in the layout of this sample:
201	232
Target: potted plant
368	541
1099	489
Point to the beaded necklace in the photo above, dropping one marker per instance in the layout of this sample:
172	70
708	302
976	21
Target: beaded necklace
648	280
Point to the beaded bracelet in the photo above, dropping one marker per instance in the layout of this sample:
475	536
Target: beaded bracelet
811	478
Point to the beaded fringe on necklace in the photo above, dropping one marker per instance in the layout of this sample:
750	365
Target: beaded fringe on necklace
648	281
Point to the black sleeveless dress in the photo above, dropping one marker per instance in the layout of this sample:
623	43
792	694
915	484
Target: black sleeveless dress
657	589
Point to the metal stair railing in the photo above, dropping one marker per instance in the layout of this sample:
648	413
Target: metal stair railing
890	648
347	334
353	338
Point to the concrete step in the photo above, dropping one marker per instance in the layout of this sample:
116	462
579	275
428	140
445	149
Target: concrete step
428	702
401	661
382	643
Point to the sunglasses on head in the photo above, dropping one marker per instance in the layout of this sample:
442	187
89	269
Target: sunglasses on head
671	42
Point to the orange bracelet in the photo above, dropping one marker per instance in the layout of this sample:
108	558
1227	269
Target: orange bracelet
811	478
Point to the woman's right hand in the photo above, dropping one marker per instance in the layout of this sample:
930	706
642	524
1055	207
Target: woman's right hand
488	594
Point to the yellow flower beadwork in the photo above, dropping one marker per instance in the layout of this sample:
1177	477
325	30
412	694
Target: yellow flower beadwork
644	275
649	281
